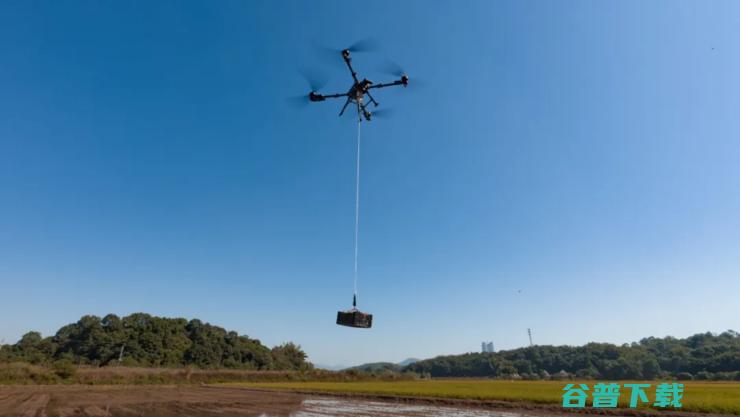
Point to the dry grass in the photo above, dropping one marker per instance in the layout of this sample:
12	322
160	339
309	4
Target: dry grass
21	373
708	397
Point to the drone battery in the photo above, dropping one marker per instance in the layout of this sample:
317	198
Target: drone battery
354	318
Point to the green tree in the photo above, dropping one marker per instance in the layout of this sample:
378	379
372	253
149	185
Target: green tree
289	356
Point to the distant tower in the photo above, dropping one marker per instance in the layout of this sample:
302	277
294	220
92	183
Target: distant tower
489	347
483	347
529	332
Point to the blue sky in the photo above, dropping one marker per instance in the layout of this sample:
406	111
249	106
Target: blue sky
584	153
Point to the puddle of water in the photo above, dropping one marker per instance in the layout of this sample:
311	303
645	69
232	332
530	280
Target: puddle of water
324	407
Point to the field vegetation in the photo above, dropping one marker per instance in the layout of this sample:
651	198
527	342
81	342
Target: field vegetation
706	397
67	373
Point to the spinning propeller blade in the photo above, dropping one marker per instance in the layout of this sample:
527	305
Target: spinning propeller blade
315	79
334	55
364	45
298	102
392	68
383	113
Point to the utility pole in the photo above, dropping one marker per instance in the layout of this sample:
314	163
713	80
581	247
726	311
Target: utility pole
120	355
529	332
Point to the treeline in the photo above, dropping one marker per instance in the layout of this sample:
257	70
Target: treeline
702	356
148	341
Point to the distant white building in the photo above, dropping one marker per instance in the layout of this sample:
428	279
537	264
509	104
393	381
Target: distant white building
486	347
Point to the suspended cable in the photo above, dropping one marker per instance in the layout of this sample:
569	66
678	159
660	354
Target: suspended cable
357	210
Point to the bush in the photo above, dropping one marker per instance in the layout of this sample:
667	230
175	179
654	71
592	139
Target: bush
703	375
723	376
588	373
562	375
64	369
23	373
684	376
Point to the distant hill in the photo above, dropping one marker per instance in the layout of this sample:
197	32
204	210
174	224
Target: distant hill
383	366
329	367
376	367
144	340
701	356
409	361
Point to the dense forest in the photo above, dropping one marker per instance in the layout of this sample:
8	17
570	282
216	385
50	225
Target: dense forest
701	356
144	340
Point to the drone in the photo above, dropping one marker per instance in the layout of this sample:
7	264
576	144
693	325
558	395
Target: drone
359	90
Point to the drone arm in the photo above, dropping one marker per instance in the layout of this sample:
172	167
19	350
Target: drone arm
349	65
383	85
321	97
335	95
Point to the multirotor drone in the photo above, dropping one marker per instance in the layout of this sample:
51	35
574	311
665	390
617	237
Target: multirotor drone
358	91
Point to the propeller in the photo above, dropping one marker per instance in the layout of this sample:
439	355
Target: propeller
384	113
298	101
364	45
393	68
334	55
315	79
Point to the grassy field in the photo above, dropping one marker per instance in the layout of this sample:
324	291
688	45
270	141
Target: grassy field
26	374
708	397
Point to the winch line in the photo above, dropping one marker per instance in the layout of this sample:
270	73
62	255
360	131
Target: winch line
357	210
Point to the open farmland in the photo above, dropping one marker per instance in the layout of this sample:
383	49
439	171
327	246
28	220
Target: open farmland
703	397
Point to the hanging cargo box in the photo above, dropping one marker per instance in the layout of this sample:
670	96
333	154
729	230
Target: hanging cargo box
354	318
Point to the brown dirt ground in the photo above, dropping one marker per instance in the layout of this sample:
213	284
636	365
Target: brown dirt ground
138	401
203	401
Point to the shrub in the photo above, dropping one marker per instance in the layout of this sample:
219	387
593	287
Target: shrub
23	373
703	375
723	376
684	376
588	373
64	369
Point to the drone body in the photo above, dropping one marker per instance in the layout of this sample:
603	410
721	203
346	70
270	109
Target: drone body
359	90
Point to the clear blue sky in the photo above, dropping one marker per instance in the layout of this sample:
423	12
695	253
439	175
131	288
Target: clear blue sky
585	153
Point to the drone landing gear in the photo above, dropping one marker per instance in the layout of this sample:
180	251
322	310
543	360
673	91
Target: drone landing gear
361	109
372	100
346	103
